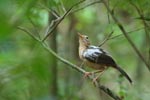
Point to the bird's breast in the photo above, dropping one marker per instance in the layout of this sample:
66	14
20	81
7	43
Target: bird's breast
95	66
81	51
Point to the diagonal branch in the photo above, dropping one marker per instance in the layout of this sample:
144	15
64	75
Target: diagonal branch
129	32
49	50
109	92
56	22
110	37
35	27
101	87
126	35
106	39
143	19
50	10
61	19
81	8
146	26
28	32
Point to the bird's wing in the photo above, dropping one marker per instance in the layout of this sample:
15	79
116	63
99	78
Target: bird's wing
97	55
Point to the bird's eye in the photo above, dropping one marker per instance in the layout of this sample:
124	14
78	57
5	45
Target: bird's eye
86	37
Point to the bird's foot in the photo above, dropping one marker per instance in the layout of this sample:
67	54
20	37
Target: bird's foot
94	81
87	74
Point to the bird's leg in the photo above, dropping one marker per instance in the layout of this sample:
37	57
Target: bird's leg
86	74
95	79
82	64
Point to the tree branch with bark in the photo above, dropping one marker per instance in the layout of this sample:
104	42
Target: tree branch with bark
73	66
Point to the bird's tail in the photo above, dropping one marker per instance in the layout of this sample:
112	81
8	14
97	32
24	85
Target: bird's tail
124	73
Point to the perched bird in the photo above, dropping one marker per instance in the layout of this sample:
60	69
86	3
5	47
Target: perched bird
96	58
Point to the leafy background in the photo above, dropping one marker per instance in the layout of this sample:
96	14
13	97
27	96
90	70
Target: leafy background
29	72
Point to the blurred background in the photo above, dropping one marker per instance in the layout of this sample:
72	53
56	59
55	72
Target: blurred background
29	72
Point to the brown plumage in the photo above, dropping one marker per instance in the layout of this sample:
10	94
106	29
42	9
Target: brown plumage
96	58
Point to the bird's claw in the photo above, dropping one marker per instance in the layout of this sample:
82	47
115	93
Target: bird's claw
94	81
87	74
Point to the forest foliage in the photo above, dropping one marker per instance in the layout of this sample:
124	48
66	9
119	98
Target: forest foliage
29	70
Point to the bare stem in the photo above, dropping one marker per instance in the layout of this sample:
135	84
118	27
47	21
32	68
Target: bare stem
146	26
61	19
127	32
81	8
106	39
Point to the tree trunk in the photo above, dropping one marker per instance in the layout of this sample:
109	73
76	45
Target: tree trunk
53	65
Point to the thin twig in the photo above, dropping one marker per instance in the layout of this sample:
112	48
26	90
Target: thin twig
92	3
57	21
143	18
109	92
38	34
49	50
106	39
109	37
50	10
62	4
146	26
126	35
61	18
54	13
28	32
108	17
122	34
53	22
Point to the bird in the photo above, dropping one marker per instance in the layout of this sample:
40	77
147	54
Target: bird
97	58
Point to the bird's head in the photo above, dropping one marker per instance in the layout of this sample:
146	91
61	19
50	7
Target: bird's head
83	39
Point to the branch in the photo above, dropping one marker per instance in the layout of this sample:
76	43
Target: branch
33	24
126	35
101	87
60	19
28	32
109	92
143	18
127	32
106	39
109	37
50	10
53	22
146	26
62	4
49	50
92	3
